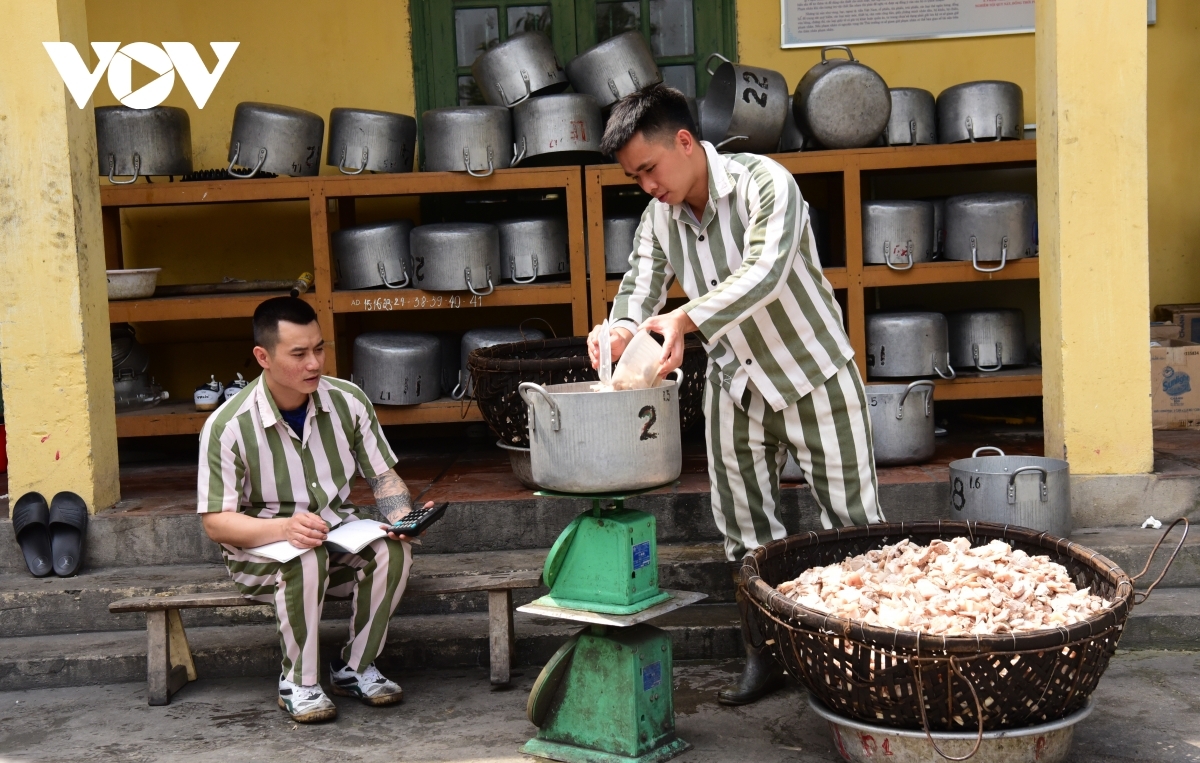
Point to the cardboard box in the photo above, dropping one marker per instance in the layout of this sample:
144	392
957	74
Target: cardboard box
1160	330
1175	381
1167	312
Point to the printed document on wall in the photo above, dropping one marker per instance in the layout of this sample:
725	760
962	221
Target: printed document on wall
813	23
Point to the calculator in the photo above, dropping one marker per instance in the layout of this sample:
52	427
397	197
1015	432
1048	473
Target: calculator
418	520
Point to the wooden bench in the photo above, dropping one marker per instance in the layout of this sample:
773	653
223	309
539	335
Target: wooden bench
169	664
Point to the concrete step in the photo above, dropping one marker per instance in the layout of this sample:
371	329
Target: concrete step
124	540
699	632
40	606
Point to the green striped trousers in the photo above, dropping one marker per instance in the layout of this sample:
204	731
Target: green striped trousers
373	579
829	433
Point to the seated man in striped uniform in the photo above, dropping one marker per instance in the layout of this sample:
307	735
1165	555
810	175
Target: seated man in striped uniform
276	463
735	232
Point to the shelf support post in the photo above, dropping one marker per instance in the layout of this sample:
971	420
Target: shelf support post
58	393
1092	214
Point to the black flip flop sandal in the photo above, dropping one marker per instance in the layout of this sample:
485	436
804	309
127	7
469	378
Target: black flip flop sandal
68	529
31	520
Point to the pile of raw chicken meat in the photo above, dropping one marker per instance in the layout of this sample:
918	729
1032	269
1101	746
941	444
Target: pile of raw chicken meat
947	588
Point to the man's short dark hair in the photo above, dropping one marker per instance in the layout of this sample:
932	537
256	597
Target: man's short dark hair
268	315
658	112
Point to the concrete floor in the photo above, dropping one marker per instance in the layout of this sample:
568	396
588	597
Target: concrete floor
1148	710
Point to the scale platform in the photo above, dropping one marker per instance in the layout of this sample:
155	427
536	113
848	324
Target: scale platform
677	600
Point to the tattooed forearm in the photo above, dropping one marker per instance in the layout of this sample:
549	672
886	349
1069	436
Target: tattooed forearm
392	499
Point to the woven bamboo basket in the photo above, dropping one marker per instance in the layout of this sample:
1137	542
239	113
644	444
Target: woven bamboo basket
904	679
497	371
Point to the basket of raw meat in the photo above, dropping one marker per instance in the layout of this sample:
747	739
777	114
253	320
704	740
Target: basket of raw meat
942	626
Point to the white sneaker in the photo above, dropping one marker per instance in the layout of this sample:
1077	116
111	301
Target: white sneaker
370	685
306	704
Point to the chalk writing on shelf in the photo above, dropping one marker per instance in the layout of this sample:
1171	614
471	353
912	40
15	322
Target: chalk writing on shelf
415	302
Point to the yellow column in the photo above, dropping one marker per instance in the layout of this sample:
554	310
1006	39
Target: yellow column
54	343
1091	117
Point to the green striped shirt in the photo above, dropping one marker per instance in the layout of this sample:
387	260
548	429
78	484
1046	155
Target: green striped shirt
253	462
750	271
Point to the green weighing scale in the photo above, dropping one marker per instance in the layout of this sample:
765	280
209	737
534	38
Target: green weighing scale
606	695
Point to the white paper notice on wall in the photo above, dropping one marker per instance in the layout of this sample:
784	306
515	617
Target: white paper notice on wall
817	23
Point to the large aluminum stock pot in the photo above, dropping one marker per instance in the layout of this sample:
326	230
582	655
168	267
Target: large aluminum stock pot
1027	491
984	110
913	121
472	139
990	227
987	339
398	367
362	139
908	343
558	129
841	103
745	107
522	66
270	138
901	422
897	233
456	257
373	255
155	141
614	68
600	442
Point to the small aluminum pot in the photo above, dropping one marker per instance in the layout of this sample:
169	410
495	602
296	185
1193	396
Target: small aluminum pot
1027	491
902	434
380	141
613	69
456	257
590	442
558	129
897	233
987	339
745	107
127	353
791	139
533	247
520	67
278	139
984	110
397	367
134	391
619	233
860	742
909	344
487	337
373	256
841	103
474	139
136	142
913	121
990	227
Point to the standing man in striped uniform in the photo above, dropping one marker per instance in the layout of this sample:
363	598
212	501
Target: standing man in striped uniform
735	232
276	463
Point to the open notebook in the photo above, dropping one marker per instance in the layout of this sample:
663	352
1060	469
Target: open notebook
348	537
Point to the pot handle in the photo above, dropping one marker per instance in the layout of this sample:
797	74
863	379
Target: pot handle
999	128
999	358
912	132
731	139
237	151
512	265
975	255
525	389
678	374
1146	594
383	275
518	157
975	453
887	256
460	389
467	163
928	397
342	162
949	368
849	55
1012	483
711	56
112	168
490	287
528	91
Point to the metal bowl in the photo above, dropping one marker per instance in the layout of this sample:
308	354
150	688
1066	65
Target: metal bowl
518	459
138	283
860	742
